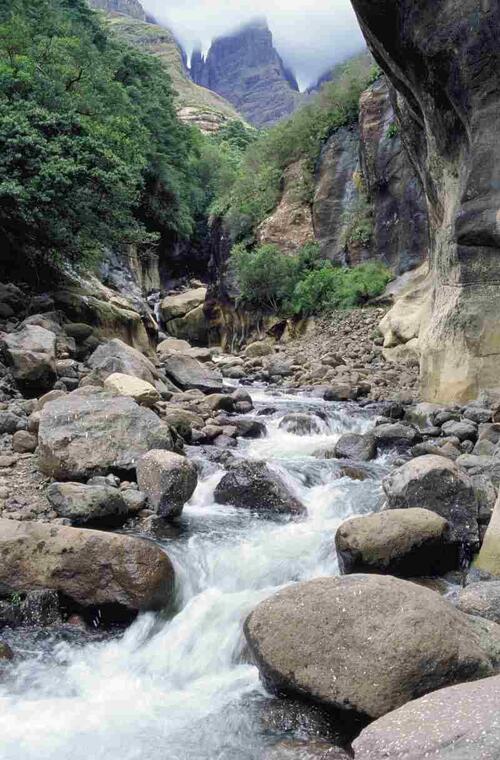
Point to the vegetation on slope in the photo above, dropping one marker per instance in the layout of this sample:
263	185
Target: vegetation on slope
91	150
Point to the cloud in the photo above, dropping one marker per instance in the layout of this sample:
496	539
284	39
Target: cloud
311	35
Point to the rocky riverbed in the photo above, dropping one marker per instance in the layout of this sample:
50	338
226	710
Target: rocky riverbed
254	555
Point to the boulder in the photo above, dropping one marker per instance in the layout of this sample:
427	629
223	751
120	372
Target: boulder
436	483
88	504
395	435
141	391
172	346
481	599
339	392
121	575
30	353
24	442
179	305
302	749
188	374
92	432
362	448
300	424
168	480
457	723
366	643
464	430
403	542
258	348
253	485
220	402
115	356
192	327
422	415
8	422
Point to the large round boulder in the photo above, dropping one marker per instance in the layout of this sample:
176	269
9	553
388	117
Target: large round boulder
88	504
115	356
140	391
120	574
404	542
366	643
395	435
30	352
189	374
93	432
168	480
362	448
457	723
253	485
438	484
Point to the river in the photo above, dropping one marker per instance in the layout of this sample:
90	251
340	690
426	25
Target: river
181	687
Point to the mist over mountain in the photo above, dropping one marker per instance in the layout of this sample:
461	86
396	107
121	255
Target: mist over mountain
309	39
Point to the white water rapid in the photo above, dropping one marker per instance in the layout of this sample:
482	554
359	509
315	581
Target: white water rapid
180	688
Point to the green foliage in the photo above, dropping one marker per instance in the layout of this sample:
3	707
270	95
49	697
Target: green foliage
258	183
303	284
332	288
393	130
91	151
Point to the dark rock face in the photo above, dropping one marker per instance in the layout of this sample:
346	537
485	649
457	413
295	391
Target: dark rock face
401	234
444	61
253	485
245	68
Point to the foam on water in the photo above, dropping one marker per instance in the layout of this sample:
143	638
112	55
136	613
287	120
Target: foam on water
179	689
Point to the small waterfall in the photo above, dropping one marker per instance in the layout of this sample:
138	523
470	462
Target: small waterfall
182	688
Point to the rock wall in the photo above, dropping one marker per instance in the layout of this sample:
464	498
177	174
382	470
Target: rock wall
443	59
245	68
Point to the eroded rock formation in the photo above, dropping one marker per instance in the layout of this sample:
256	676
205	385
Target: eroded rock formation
442	58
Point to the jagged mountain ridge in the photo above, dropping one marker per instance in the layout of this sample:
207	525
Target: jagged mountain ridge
196	105
246	69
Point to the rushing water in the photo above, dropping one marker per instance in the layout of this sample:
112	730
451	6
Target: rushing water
181	688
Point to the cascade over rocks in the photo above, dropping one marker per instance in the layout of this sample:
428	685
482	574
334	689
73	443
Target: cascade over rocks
447	77
366	643
93	569
93	432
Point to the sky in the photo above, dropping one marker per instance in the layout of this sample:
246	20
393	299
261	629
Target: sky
310	35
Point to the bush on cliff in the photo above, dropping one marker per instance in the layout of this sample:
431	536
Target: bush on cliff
334	287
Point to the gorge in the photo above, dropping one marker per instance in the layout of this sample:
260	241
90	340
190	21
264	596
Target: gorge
249	408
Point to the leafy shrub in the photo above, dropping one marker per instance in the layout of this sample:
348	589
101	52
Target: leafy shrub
332	287
266	277
393	130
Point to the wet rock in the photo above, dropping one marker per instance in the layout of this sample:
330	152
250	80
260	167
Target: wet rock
436	484
395	435
120	575
481	599
339	392
240	395
366	643
220	402
134	499
190	374
299	749
362	448
88	504
300	424
6	652
253	485
79	331
30	353
465	430
478	414
403	542
277	367
168	480
24	442
92	432
461	723
141	391
35	608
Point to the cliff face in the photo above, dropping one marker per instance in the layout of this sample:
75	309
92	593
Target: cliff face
443	60
246	70
131	8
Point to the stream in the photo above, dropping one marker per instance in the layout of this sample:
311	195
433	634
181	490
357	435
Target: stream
180	687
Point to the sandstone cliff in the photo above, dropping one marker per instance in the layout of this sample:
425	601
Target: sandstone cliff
245	68
443	60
